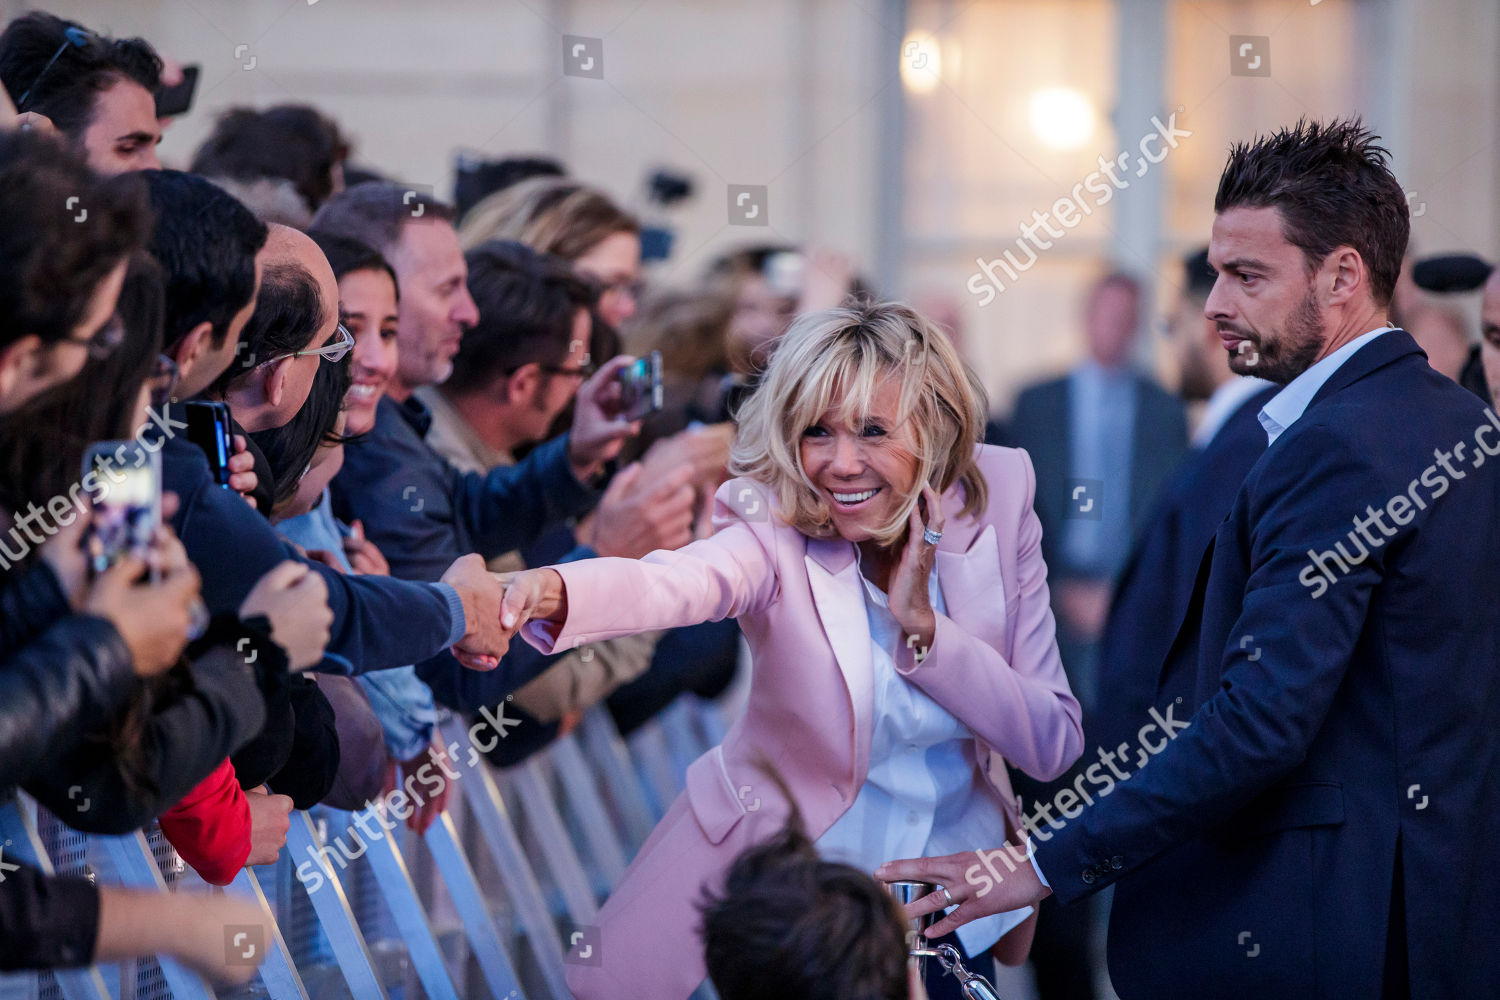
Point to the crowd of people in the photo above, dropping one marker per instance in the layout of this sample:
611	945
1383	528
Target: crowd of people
393	475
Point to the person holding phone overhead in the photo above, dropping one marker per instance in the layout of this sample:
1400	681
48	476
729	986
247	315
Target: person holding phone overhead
886	570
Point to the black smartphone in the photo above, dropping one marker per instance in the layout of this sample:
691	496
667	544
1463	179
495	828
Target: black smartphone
209	428
176	99
123	482
640	387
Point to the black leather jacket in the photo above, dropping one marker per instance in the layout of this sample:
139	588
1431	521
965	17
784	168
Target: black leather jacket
61	674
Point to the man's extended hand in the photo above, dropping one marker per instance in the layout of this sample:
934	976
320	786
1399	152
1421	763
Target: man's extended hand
979	883
484	641
599	431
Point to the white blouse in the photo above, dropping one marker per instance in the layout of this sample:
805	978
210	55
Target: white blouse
923	795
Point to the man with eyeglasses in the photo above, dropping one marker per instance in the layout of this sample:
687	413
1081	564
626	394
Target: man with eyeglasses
517	369
211	252
98	92
47	340
416	507
298	327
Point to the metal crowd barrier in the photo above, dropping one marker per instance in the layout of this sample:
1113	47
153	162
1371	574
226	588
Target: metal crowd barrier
585	806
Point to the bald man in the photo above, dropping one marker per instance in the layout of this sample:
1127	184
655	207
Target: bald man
296	315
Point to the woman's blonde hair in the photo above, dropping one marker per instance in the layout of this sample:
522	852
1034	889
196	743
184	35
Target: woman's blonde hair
848	353
556	215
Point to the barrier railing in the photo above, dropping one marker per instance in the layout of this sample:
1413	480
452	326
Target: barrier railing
586	803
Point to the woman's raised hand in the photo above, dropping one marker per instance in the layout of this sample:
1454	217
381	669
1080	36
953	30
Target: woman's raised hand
910	603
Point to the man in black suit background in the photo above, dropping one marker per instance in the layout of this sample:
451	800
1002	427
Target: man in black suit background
1103	439
1324	824
1152	594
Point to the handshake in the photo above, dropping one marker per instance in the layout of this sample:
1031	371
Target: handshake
496	605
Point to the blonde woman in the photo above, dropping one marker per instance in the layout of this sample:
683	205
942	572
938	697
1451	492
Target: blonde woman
571	220
886	570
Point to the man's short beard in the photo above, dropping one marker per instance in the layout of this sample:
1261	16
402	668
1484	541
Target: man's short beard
1292	353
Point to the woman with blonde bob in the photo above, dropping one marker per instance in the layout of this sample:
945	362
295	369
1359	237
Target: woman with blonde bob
886	570
568	219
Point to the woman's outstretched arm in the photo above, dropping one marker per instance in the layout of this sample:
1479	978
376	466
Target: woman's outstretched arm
731	573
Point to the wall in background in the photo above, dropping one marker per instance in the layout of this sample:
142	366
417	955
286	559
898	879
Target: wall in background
789	94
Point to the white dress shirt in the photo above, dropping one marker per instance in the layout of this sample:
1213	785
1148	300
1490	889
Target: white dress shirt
1223	404
923	795
1283	409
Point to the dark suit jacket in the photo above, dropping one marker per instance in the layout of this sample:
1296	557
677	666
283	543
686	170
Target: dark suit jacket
1345	733
1040	425
1156	585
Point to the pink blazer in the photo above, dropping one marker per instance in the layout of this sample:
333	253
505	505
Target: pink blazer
993	664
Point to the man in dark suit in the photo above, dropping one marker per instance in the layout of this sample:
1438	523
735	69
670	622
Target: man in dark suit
1103	439
1156	584
1324	824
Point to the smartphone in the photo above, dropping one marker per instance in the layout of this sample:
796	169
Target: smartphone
176	99
640	387
209	428
123	482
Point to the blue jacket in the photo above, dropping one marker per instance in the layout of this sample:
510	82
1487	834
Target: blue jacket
1349	728
401	702
377	621
422	513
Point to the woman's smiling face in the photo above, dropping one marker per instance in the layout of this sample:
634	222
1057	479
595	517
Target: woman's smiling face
367	300
863	473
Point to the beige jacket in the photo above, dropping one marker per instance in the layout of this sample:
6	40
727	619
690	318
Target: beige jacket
584	677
